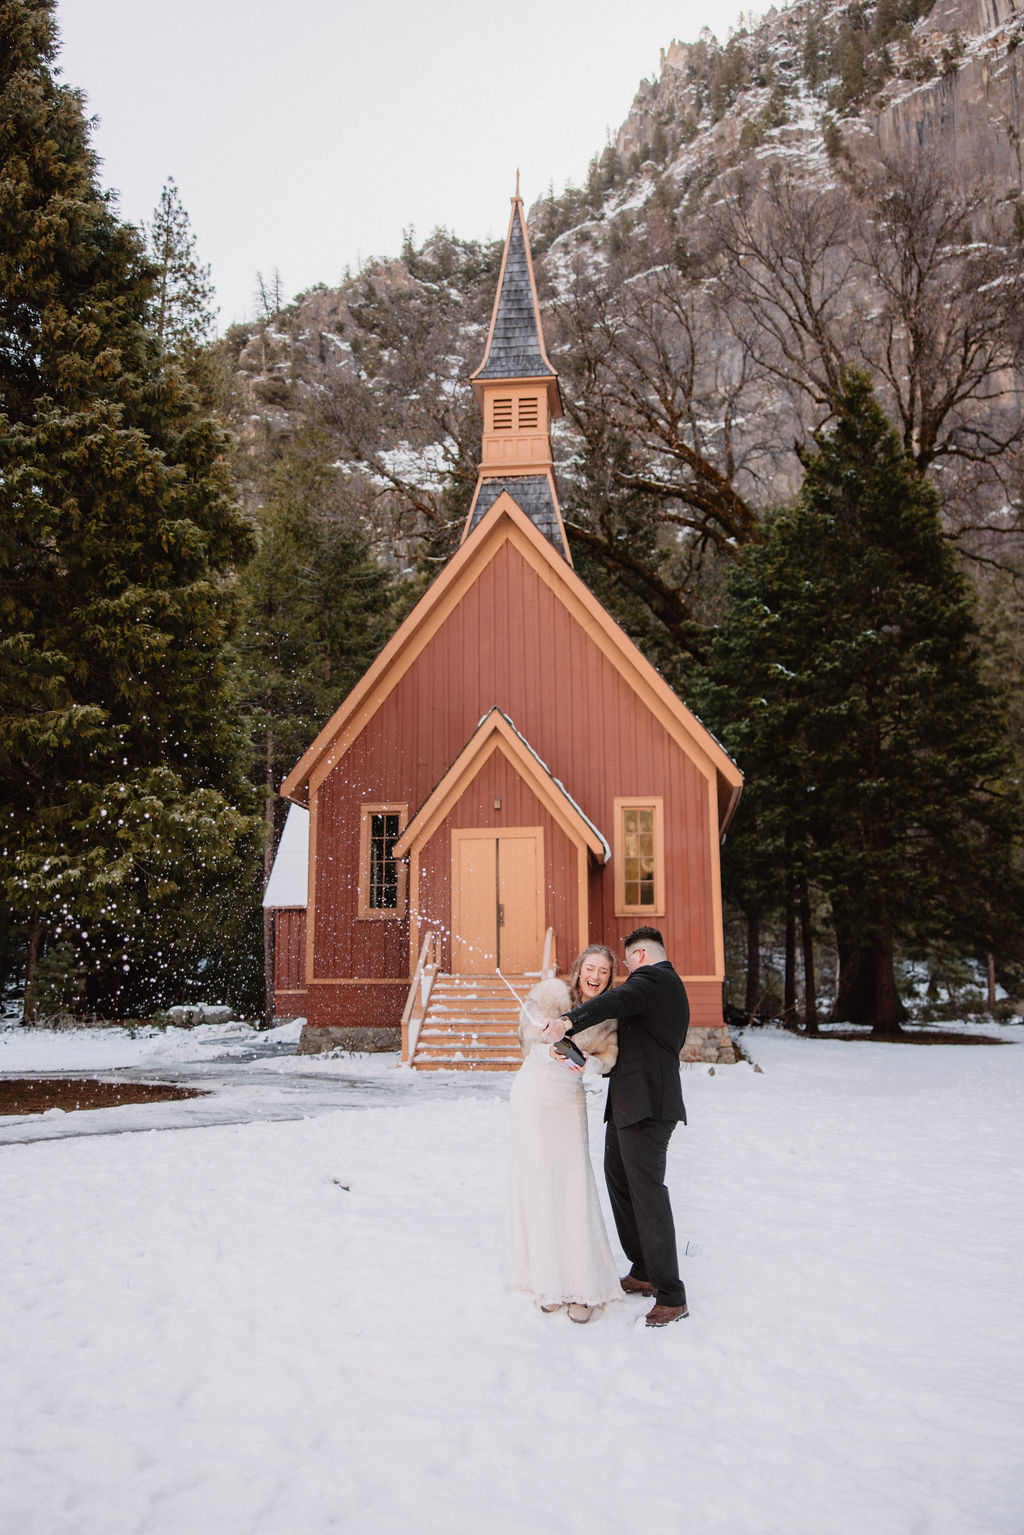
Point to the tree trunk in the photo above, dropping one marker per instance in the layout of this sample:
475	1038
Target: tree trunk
855	990
889	1010
991	982
807	941
867	982
28	1014
789	982
269	807
753	996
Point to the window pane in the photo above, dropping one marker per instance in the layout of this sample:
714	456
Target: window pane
383	868
639	845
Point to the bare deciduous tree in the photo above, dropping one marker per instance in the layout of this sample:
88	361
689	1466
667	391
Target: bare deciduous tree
665	466
785	273
946	335
904	275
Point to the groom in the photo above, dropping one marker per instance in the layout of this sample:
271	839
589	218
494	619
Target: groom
645	1102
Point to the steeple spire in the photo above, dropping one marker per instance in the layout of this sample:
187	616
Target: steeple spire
517	389
515	343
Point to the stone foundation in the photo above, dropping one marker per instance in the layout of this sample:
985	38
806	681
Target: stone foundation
710	1047
315	1041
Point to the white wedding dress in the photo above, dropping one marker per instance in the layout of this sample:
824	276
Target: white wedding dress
557	1247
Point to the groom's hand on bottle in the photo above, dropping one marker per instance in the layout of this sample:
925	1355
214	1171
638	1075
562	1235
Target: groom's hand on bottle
554	1030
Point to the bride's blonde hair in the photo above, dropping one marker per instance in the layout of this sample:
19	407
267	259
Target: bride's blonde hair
575	995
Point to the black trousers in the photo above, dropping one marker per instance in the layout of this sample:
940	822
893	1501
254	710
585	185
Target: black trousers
634	1169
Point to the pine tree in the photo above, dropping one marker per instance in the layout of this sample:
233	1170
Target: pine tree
847	680
183	297
123	790
851	65
812	51
317	610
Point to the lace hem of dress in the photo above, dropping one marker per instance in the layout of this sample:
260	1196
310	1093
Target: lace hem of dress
543	1298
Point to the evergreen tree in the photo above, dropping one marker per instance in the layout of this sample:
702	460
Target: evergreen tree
846	679
317	610
183	297
812	51
123	788
851	65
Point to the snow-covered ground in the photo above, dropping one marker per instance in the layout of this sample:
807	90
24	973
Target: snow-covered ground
298	1325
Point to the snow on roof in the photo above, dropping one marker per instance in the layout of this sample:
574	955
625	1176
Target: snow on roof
287	885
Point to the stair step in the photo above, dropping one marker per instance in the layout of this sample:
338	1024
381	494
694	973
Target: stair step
446	1051
473	999
450	1065
475	1006
485	1038
471	1024
466	1026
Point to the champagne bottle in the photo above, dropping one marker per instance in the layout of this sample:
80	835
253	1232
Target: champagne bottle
565	1046
571	1051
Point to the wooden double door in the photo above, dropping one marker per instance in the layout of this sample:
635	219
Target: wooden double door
497	899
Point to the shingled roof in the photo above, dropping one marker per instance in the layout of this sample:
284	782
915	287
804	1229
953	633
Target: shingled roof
532	494
516	349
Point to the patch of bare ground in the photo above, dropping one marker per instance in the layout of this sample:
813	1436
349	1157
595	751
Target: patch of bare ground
35	1095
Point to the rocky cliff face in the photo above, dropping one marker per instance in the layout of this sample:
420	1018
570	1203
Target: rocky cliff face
972	114
955	87
827	90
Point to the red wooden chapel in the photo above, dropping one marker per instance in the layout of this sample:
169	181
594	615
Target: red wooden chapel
509	781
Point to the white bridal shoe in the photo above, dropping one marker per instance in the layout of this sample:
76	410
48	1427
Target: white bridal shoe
578	1313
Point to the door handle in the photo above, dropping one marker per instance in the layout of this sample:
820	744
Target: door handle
501	915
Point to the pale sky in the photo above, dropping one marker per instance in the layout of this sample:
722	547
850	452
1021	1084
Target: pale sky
308	135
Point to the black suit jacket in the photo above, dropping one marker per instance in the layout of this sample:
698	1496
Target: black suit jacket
654	1013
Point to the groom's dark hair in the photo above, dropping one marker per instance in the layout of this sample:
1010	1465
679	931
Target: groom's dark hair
643	935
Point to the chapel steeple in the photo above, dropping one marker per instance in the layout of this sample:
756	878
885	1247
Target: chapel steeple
517	390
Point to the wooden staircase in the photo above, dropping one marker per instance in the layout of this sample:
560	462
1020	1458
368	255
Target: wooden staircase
470	1023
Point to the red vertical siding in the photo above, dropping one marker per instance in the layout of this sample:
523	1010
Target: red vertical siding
289	960
345	944
511	643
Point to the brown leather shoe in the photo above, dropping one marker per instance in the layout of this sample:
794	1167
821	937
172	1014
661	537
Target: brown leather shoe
637	1286
660	1316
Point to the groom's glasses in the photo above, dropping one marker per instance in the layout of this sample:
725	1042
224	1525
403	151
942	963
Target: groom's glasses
632	957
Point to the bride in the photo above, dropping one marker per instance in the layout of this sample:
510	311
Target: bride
557	1248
